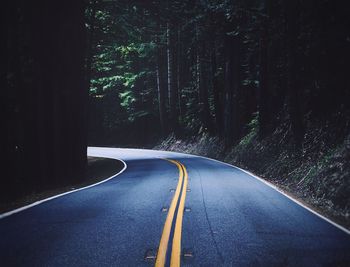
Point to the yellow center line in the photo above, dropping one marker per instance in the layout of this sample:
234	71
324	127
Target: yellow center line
163	245
176	251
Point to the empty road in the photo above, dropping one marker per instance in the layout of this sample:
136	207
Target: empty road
171	209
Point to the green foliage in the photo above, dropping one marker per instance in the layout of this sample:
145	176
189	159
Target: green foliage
326	159
253	131
132	38
126	98
122	61
136	49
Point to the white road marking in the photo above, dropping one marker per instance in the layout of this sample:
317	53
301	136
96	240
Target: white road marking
286	195
6	214
133	152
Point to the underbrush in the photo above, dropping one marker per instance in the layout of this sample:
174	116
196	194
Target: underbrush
316	172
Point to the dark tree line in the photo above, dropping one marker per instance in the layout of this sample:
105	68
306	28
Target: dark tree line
159	67
213	66
44	95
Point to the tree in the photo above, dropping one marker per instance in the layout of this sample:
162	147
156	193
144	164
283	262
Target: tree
46	92
184	63
232	87
293	68
264	90
161	88
172	74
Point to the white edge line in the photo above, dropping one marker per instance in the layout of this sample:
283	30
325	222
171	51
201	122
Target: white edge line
266	183
261	180
281	192
9	213
6	214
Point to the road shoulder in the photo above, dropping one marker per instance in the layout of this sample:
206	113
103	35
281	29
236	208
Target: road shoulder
98	170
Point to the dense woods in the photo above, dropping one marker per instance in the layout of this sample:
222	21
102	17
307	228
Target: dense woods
261	84
44	95
132	73
189	67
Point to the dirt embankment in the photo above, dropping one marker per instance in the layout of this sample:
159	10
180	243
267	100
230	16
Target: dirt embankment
317	172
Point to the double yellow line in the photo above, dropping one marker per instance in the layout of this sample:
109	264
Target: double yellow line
177	204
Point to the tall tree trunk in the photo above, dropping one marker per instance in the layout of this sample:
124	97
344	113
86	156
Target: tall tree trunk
264	92
204	112
232	123
161	89
172	78
59	54
292	19
180	72
9	75
184	70
45	86
91	43
217	94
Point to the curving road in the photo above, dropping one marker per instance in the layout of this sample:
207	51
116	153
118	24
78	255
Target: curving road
188	210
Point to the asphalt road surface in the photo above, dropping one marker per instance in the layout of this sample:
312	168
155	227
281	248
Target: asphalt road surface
170	209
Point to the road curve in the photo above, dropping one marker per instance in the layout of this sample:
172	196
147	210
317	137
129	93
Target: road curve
189	210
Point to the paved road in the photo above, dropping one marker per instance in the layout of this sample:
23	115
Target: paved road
189	210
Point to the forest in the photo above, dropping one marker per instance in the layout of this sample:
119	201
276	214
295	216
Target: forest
44	95
213	66
246	76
